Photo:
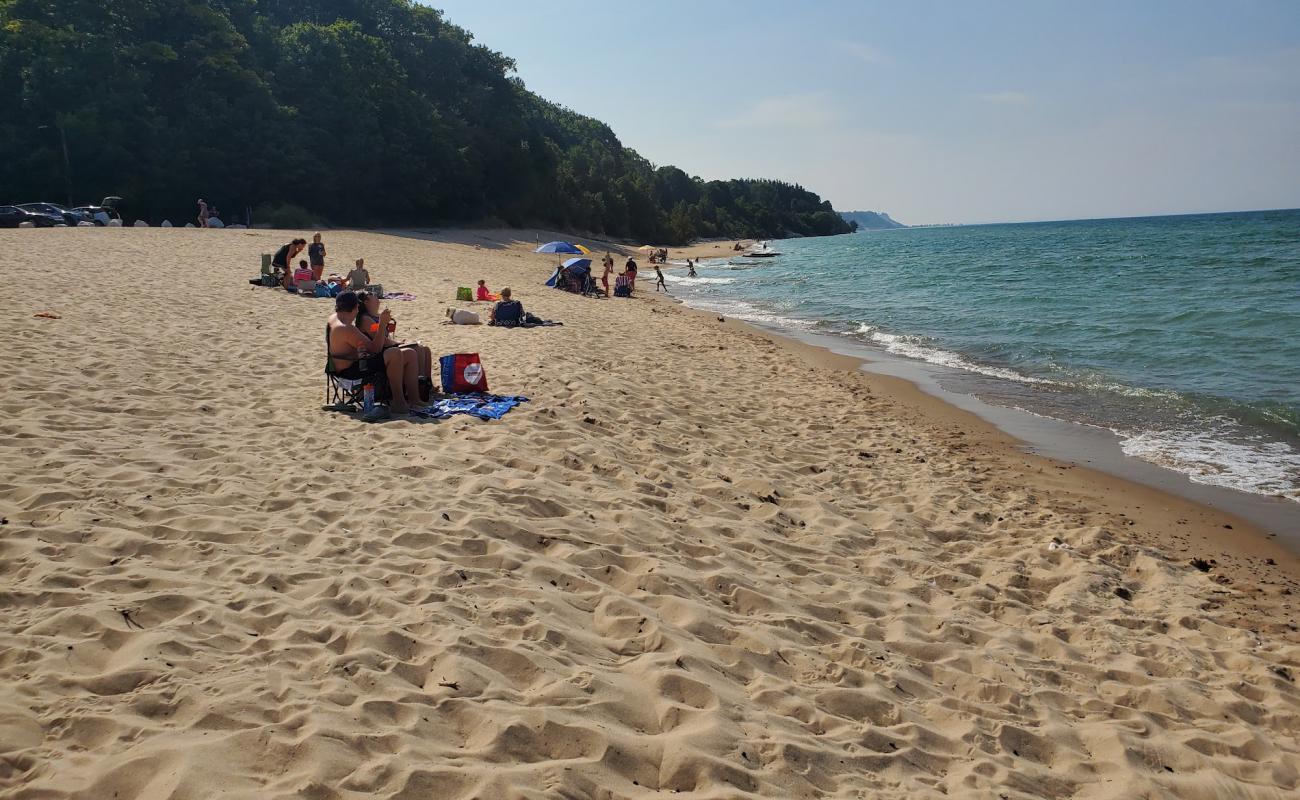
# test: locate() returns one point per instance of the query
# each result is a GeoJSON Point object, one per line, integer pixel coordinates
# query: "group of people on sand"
{"type": "Point", "coordinates": [625, 281]}
{"type": "Point", "coordinates": [312, 268]}
{"type": "Point", "coordinates": [360, 342]}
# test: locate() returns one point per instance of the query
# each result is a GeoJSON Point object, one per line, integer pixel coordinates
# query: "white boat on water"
{"type": "Point", "coordinates": [762, 250]}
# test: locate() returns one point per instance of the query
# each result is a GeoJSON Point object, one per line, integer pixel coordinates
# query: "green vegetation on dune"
{"type": "Point", "coordinates": [355, 112]}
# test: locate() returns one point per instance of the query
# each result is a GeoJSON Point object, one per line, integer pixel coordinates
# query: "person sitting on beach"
{"type": "Point", "coordinates": [659, 282]}
{"type": "Point", "coordinates": [359, 278]}
{"type": "Point", "coordinates": [482, 293]}
{"type": "Point", "coordinates": [316, 253]}
{"type": "Point", "coordinates": [303, 273]}
{"type": "Point", "coordinates": [508, 313]}
{"type": "Point", "coordinates": [623, 285]}
{"type": "Point", "coordinates": [280, 261]}
{"type": "Point", "coordinates": [368, 315]}
{"type": "Point", "coordinates": [347, 346]}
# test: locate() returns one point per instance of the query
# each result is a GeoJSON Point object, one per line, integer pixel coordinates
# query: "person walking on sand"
{"type": "Point", "coordinates": [659, 281]}
{"type": "Point", "coordinates": [608, 264]}
{"type": "Point", "coordinates": [316, 255]}
{"type": "Point", "coordinates": [203, 213]}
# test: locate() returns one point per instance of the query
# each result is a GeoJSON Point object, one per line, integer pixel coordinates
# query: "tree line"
{"type": "Point", "coordinates": [347, 112]}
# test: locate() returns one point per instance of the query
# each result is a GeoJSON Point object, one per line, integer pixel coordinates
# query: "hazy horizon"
{"type": "Point", "coordinates": [937, 113]}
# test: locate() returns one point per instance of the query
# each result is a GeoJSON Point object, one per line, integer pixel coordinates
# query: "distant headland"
{"type": "Point", "coordinates": [871, 220]}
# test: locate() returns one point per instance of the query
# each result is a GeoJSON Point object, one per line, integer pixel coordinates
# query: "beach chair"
{"type": "Point", "coordinates": [270, 277]}
{"type": "Point", "coordinates": [347, 394]}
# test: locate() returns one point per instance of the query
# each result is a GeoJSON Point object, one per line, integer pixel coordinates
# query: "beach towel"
{"type": "Point", "coordinates": [399, 296]}
{"type": "Point", "coordinates": [483, 406]}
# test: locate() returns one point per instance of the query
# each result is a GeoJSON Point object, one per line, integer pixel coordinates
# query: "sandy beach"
{"type": "Point", "coordinates": [701, 562]}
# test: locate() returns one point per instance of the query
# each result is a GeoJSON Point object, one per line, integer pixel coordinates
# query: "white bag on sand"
{"type": "Point", "coordinates": [115, 223]}
{"type": "Point", "coordinates": [27, 224]}
{"type": "Point", "coordinates": [139, 223]}
{"type": "Point", "coordinates": [463, 316]}
{"type": "Point", "coordinates": [84, 224]}
{"type": "Point", "coordinates": [166, 224]}
{"type": "Point", "coordinates": [191, 225]}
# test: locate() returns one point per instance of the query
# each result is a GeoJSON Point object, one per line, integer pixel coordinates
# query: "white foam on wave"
{"type": "Point", "coordinates": [1267, 468]}
{"type": "Point", "coordinates": [914, 347]}
{"type": "Point", "coordinates": [748, 312]}
{"type": "Point", "coordinates": [683, 279]}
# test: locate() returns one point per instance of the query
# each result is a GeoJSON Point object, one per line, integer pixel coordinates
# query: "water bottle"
{"type": "Point", "coordinates": [368, 398]}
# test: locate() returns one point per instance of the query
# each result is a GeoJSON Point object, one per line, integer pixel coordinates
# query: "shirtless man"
{"type": "Point", "coordinates": [347, 343]}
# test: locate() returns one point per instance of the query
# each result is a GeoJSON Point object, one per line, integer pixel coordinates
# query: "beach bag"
{"type": "Point", "coordinates": [462, 373]}
{"type": "Point", "coordinates": [465, 294]}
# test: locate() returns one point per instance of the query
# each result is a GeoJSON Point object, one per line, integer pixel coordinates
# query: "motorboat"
{"type": "Point", "coordinates": [763, 250]}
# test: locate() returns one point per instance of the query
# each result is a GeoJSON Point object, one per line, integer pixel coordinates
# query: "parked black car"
{"type": "Point", "coordinates": [12, 216]}
{"type": "Point", "coordinates": [55, 211]}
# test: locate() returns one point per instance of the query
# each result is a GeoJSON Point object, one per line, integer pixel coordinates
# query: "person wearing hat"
{"type": "Point", "coordinates": [348, 346]}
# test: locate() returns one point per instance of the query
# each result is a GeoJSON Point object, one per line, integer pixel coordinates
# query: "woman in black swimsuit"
{"type": "Point", "coordinates": [282, 259]}
{"type": "Point", "coordinates": [368, 323]}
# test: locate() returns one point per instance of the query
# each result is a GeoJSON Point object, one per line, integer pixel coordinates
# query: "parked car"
{"type": "Point", "coordinates": [54, 212]}
{"type": "Point", "coordinates": [13, 216]}
{"type": "Point", "coordinates": [100, 215]}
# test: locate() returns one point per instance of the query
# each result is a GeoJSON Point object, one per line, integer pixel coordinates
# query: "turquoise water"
{"type": "Point", "coordinates": [1181, 334]}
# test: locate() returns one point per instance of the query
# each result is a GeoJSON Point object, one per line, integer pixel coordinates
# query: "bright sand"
{"type": "Point", "coordinates": [701, 561]}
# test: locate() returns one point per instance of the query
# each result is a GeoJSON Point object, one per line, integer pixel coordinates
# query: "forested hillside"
{"type": "Point", "coordinates": [351, 112]}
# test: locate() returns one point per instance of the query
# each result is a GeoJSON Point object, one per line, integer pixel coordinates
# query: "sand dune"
{"type": "Point", "coordinates": [700, 563]}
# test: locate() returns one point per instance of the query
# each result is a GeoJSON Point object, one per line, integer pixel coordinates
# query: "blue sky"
{"type": "Point", "coordinates": [936, 112]}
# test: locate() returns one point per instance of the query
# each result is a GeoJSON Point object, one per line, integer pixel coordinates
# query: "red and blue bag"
{"type": "Point", "coordinates": [462, 373]}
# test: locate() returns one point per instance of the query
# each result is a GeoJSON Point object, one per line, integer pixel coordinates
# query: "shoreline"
{"type": "Point", "coordinates": [1225, 531]}
{"type": "Point", "coordinates": [1072, 442]}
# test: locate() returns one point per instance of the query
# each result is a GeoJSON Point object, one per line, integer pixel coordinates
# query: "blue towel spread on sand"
{"type": "Point", "coordinates": [483, 406]}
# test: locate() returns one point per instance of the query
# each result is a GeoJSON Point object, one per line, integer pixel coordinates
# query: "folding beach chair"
{"type": "Point", "coordinates": [347, 394]}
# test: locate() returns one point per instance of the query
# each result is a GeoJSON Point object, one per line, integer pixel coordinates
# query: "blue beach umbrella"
{"type": "Point", "coordinates": [578, 265]}
{"type": "Point", "coordinates": [558, 247]}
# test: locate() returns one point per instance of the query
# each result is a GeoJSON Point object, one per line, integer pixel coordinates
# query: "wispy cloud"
{"type": "Point", "coordinates": [1003, 97]}
{"type": "Point", "coordinates": [805, 110]}
{"type": "Point", "coordinates": [862, 52]}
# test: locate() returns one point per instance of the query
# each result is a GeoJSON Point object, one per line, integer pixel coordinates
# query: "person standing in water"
{"type": "Point", "coordinates": [690, 269]}
{"type": "Point", "coordinates": [659, 280]}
